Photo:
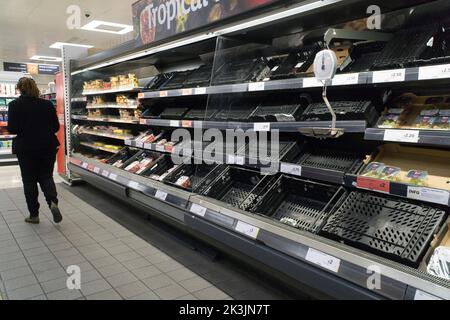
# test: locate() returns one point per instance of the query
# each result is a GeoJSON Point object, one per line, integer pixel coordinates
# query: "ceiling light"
{"type": "Point", "coordinates": [46, 58]}
{"type": "Point", "coordinates": [108, 27]}
{"type": "Point", "coordinates": [58, 45]}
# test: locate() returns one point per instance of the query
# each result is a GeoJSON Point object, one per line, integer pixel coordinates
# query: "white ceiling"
{"type": "Point", "coordinates": [29, 27]}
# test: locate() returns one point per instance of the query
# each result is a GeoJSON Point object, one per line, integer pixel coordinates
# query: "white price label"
{"type": "Point", "coordinates": [239, 160]}
{"type": "Point", "coordinates": [324, 260]}
{"type": "Point", "coordinates": [186, 92]}
{"type": "Point", "coordinates": [133, 185]}
{"type": "Point", "coordinates": [174, 123]}
{"type": "Point", "coordinates": [85, 165]}
{"type": "Point", "coordinates": [434, 72]}
{"type": "Point", "coordinates": [420, 295]}
{"type": "Point", "coordinates": [311, 82]}
{"type": "Point", "coordinates": [428, 195]}
{"type": "Point", "coordinates": [105, 173]}
{"type": "Point", "coordinates": [113, 176]}
{"type": "Point", "coordinates": [160, 148]}
{"type": "Point", "coordinates": [148, 146]}
{"type": "Point", "coordinates": [128, 142]}
{"type": "Point", "coordinates": [397, 75]}
{"type": "Point", "coordinates": [256, 86]}
{"type": "Point", "coordinates": [198, 210]}
{"type": "Point", "coordinates": [97, 170]}
{"type": "Point", "coordinates": [411, 136]}
{"type": "Point", "coordinates": [293, 169]}
{"type": "Point", "coordinates": [247, 229]}
{"type": "Point", "coordinates": [263, 126]}
{"type": "Point", "coordinates": [231, 159]}
{"type": "Point", "coordinates": [346, 79]}
{"type": "Point", "coordinates": [200, 91]}
{"type": "Point", "coordinates": [161, 195]}
{"type": "Point", "coordinates": [139, 144]}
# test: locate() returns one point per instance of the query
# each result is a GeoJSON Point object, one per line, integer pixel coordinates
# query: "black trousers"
{"type": "Point", "coordinates": [37, 167]}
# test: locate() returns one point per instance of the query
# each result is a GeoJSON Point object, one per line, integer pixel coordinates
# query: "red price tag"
{"type": "Point", "coordinates": [91, 167]}
{"type": "Point", "coordinates": [75, 161]}
{"type": "Point", "coordinates": [373, 184]}
{"type": "Point", "coordinates": [141, 95]}
{"type": "Point", "coordinates": [186, 124]}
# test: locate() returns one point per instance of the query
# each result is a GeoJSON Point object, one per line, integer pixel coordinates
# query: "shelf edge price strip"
{"type": "Point", "coordinates": [409, 136]}
{"type": "Point", "coordinates": [261, 126]}
{"type": "Point", "coordinates": [346, 79]}
{"type": "Point", "coordinates": [373, 184]}
{"type": "Point", "coordinates": [324, 260]}
{"type": "Point", "coordinates": [289, 168]}
{"type": "Point", "coordinates": [247, 229]}
{"type": "Point", "coordinates": [161, 195]}
{"type": "Point", "coordinates": [398, 75]}
{"type": "Point", "coordinates": [256, 86]}
{"type": "Point", "coordinates": [198, 210]}
{"type": "Point", "coordinates": [429, 195]}
{"type": "Point", "coordinates": [434, 72]}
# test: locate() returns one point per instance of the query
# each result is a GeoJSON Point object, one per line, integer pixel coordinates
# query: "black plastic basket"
{"type": "Point", "coordinates": [158, 81]}
{"type": "Point", "coordinates": [296, 63]}
{"type": "Point", "coordinates": [200, 176]}
{"type": "Point", "coordinates": [200, 113]}
{"type": "Point", "coordinates": [175, 113]}
{"type": "Point", "coordinates": [287, 151]}
{"type": "Point", "coordinates": [240, 71]}
{"type": "Point", "coordinates": [281, 109]}
{"type": "Point", "coordinates": [160, 167]}
{"type": "Point", "coordinates": [238, 187]}
{"type": "Point", "coordinates": [390, 227]}
{"type": "Point", "coordinates": [236, 111]}
{"type": "Point", "coordinates": [200, 77]}
{"type": "Point", "coordinates": [345, 110]}
{"type": "Point", "coordinates": [141, 156]}
{"type": "Point", "coordinates": [124, 155]}
{"type": "Point", "coordinates": [176, 81]}
{"type": "Point", "coordinates": [363, 55]}
{"type": "Point", "coordinates": [299, 203]}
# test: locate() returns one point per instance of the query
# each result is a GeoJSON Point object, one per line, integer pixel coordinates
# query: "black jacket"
{"type": "Point", "coordinates": [35, 123]}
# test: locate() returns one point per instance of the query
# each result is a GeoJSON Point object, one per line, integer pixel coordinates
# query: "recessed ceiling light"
{"type": "Point", "coordinates": [46, 58]}
{"type": "Point", "coordinates": [58, 45]}
{"type": "Point", "coordinates": [107, 27]}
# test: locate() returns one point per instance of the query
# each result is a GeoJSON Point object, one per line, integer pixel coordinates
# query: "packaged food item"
{"type": "Point", "coordinates": [417, 177]}
{"type": "Point", "coordinates": [184, 182]}
{"type": "Point", "coordinates": [133, 167]}
{"type": "Point", "coordinates": [390, 173]}
{"type": "Point", "coordinates": [442, 123]}
{"type": "Point", "coordinates": [373, 170]}
{"type": "Point", "coordinates": [426, 119]}
{"type": "Point", "coordinates": [439, 264]}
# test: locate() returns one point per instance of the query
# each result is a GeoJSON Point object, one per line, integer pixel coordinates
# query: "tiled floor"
{"type": "Point", "coordinates": [114, 262]}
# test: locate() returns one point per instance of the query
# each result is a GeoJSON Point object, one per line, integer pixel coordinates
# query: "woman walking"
{"type": "Point", "coordinates": [35, 123]}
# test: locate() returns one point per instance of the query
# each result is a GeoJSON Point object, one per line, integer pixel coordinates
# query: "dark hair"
{"type": "Point", "coordinates": [28, 87]}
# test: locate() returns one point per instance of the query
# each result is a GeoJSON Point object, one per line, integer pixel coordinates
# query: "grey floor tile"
{"type": "Point", "coordinates": [105, 295]}
{"type": "Point", "coordinates": [210, 293]}
{"type": "Point", "coordinates": [147, 251]}
{"type": "Point", "coordinates": [111, 270]}
{"type": "Point", "coordinates": [25, 292]}
{"type": "Point", "coordinates": [195, 284]}
{"type": "Point", "coordinates": [159, 281]}
{"type": "Point", "coordinates": [64, 294]}
{"type": "Point", "coordinates": [54, 285]}
{"type": "Point", "coordinates": [94, 255]}
{"type": "Point", "coordinates": [43, 266]}
{"type": "Point", "coordinates": [35, 251]}
{"type": "Point", "coordinates": [169, 265]}
{"type": "Point", "coordinates": [41, 297]}
{"type": "Point", "coordinates": [7, 243]}
{"type": "Point", "coordinates": [89, 276]}
{"type": "Point", "coordinates": [181, 274]}
{"type": "Point", "coordinates": [158, 257]}
{"type": "Point", "coordinates": [67, 252]}
{"type": "Point", "coordinates": [119, 249]}
{"type": "Point", "coordinates": [11, 256]}
{"type": "Point", "coordinates": [20, 282]}
{"type": "Point", "coordinates": [121, 279]}
{"type": "Point", "coordinates": [127, 256]}
{"type": "Point", "coordinates": [171, 292]}
{"type": "Point", "coordinates": [94, 287]}
{"type": "Point", "coordinates": [13, 264]}
{"type": "Point", "coordinates": [60, 246]}
{"type": "Point", "coordinates": [136, 263]}
{"type": "Point", "coordinates": [146, 296]}
{"type": "Point", "coordinates": [146, 272]}
{"type": "Point", "coordinates": [16, 273]}
{"type": "Point", "coordinates": [31, 245]}
{"type": "Point", "coordinates": [48, 256]}
{"type": "Point", "coordinates": [10, 249]}
{"type": "Point", "coordinates": [51, 274]}
{"type": "Point", "coordinates": [132, 289]}
{"type": "Point", "coordinates": [102, 262]}
{"type": "Point", "coordinates": [188, 297]}
{"type": "Point", "coordinates": [71, 260]}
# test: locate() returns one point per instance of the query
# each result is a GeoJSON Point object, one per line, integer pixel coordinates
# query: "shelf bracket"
{"type": "Point", "coordinates": [334, 34]}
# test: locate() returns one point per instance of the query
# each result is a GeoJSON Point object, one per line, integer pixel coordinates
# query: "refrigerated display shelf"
{"type": "Point", "coordinates": [337, 266]}
{"type": "Point", "coordinates": [7, 137]}
{"type": "Point", "coordinates": [106, 119]}
{"type": "Point", "coordinates": [93, 146]}
{"type": "Point", "coordinates": [117, 90]}
{"type": "Point", "coordinates": [356, 126]}
{"type": "Point", "coordinates": [111, 106]}
{"type": "Point", "coordinates": [5, 151]}
{"type": "Point", "coordinates": [419, 137]}
{"type": "Point", "coordinates": [379, 78]}
{"type": "Point", "coordinates": [106, 134]}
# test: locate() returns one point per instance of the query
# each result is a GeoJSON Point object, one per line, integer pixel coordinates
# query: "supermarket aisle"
{"type": "Point", "coordinates": [115, 263]}
{"type": "Point", "coordinates": [10, 177]}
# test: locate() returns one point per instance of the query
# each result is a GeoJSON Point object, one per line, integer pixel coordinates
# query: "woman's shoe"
{"type": "Point", "coordinates": [32, 220]}
{"type": "Point", "coordinates": [57, 217]}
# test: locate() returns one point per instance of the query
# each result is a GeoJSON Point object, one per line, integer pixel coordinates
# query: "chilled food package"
{"type": "Point", "coordinates": [394, 118]}
{"type": "Point", "coordinates": [427, 119]}
{"type": "Point", "coordinates": [390, 173]}
{"type": "Point", "coordinates": [184, 182]}
{"type": "Point", "coordinates": [442, 121]}
{"type": "Point", "coordinates": [373, 170]}
{"type": "Point", "coordinates": [439, 264]}
{"type": "Point", "coordinates": [417, 177]}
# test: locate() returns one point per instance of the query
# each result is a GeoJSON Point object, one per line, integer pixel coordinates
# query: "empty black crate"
{"type": "Point", "coordinates": [362, 56]}
{"type": "Point", "coordinates": [199, 77]}
{"type": "Point", "coordinates": [297, 62]}
{"type": "Point", "coordinates": [283, 151]}
{"type": "Point", "coordinates": [237, 111]}
{"type": "Point", "coordinates": [393, 228]}
{"type": "Point", "coordinates": [174, 113]}
{"type": "Point", "coordinates": [176, 81]}
{"type": "Point", "coordinates": [241, 71]}
{"type": "Point", "coordinates": [344, 110]}
{"type": "Point", "coordinates": [122, 156]}
{"type": "Point", "coordinates": [299, 203]}
{"type": "Point", "coordinates": [238, 187]}
{"type": "Point", "coordinates": [200, 113]}
{"type": "Point", "coordinates": [281, 109]}
{"type": "Point", "coordinates": [140, 156]}
{"type": "Point", "coordinates": [200, 176]}
{"type": "Point", "coordinates": [158, 81]}
{"type": "Point", "coordinates": [160, 167]}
